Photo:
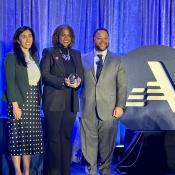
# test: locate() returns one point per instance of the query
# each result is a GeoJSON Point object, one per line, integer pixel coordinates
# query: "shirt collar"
{"type": "Point", "coordinates": [104, 53]}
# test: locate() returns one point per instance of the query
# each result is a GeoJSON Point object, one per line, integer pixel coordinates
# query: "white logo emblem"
{"type": "Point", "coordinates": [161, 89]}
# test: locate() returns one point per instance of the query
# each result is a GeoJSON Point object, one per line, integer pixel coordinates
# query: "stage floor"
{"type": "Point", "coordinates": [78, 169]}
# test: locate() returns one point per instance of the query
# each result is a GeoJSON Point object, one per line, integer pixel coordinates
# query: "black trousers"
{"type": "Point", "coordinates": [59, 125]}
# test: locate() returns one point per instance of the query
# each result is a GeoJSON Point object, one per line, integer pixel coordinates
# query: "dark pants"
{"type": "Point", "coordinates": [59, 127]}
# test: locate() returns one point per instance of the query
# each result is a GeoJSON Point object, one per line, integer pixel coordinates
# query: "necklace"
{"type": "Point", "coordinates": [65, 57]}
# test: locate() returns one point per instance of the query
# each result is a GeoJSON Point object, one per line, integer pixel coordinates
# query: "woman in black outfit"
{"type": "Point", "coordinates": [60, 98]}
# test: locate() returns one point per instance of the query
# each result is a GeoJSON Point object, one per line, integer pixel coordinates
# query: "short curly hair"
{"type": "Point", "coordinates": [100, 29]}
{"type": "Point", "coordinates": [57, 33]}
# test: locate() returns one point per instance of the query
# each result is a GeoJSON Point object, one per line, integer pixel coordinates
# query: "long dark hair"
{"type": "Point", "coordinates": [17, 49]}
{"type": "Point", "coordinates": [57, 33]}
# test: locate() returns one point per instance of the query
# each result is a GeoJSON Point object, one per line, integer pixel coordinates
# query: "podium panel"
{"type": "Point", "coordinates": [151, 88]}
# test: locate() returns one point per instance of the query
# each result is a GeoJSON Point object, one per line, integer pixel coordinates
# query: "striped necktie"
{"type": "Point", "coordinates": [99, 66]}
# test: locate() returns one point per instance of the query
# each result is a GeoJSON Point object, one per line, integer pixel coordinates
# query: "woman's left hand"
{"type": "Point", "coordinates": [73, 85]}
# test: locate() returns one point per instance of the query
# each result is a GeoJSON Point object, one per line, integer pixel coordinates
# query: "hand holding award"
{"type": "Point", "coordinates": [73, 80]}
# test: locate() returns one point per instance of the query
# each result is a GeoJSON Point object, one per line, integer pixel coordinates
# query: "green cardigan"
{"type": "Point", "coordinates": [17, 80]}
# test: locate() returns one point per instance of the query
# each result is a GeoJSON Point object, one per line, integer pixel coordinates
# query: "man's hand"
{"type": "Point", "coordinates": [118, 112]}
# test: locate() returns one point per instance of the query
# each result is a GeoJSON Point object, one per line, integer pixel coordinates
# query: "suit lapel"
{"type": "Point", "coordinates": [73, 56]}
{"type": "Point", "coordinates": [91, 65]}
{"type": "Point", "coordinates": [105, 64]}
{"type": "Point", "coordinates": [59, 61]}
{"type": "Point", "coordinates": [107, 60]}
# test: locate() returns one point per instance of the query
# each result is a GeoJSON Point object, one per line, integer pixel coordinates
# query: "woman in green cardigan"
{"type": "Point", "coordinates": [22, 77]}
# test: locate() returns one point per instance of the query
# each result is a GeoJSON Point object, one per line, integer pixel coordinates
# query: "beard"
{"type": "Point", "coordinates": [100, 49]}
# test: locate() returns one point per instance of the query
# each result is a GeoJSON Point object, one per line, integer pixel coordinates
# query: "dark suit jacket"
{"type": "Point", "coordinates": [53, 74]}
{"type": "Point", "coordinates": [16, 79]}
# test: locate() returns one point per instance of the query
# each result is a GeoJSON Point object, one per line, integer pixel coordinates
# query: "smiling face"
{"type": "Point", "coordinates": [101, 40]}
{"type": "Point", "coordinates": [65, 38]}
{"type": "Point", "coordinates": [25, 40]}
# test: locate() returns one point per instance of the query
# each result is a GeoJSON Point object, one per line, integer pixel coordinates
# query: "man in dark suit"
{"type": "Point", "coordinates": [103, 101]}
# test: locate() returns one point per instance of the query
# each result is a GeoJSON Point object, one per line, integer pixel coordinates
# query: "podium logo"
{"type": "Point", "coordinates": [161, 89]}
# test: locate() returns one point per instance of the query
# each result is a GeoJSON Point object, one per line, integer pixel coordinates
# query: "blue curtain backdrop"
{"type": "Point", "coordinates": [131, 24]}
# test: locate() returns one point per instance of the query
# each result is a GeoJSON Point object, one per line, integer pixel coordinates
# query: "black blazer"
{"type": "Point", "coordinates": [53, 74]}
